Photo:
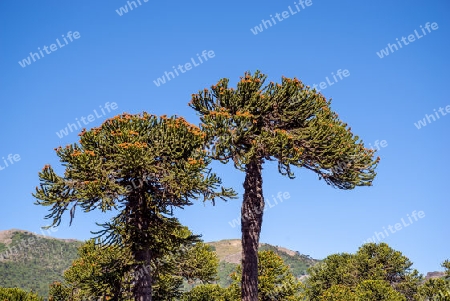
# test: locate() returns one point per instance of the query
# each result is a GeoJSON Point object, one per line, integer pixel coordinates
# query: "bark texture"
{"type": "Point", "coordinates": [139, 218]}
{"type": "Point", "coordinates": [143, 286]}
{"type": "Point", "coordinates": [251, 221]}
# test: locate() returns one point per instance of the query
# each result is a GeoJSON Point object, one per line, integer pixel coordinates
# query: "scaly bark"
{"type": "Point", "coordinates": [143, 287]}
{"type": "Point", "coordinates": [251, 221]}
{"type": "Point", "coordinates": [142, 254]}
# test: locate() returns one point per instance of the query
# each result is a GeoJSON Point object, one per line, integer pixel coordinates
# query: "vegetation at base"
{"type": "Point", "coordinates": [105, 271]}
{"type": "Point", "coordinates": [275, 279]}
{"type": "Point", "coordinates": [230, 253]}
{"type": "Point", "coordinates": [208, 292]}
{"type": "Point", "coordinates": [298, 263]}
{"type": "Point", "coordinates": [3, 247]}
{"type": "Point", "coordinates": [276, 282]}
{"type": "Point", "coordinates": [23, 274]}
{"type": "Point", "coordinates": [224, 274]}
{"type": "Point", "coordinates": [17, 294]}
{"type": "Point", "coordinates": [374, 272]}
{"type": "Point", "coordinates": [434, 290]}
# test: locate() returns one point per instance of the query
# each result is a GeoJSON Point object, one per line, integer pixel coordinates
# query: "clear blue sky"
{"type": "Point", "coordinates": [117, 58]}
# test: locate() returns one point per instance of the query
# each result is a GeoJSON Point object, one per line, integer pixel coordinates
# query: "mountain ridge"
{"type": "Point", "coordinates": [24, 254]}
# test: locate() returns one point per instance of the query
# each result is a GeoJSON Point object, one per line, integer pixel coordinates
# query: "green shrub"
{"type": "Point", "coordinates": [207, 292]}
{"type": "Point", "coordinates": [17, 294]}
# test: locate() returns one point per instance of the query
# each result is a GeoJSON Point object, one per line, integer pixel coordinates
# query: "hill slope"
{"type": "Point", "coordinates": [229, 252]}
{"type": "Point", "coordinates": [32, 261]}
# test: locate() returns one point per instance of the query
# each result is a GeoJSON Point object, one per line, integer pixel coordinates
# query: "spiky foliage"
{"type": "Point", "coordinates": [99, 271]}
{"type": "Point", "coordinates": [208, 292]}
{"type": "Point", "coordinates": [374, 267]}
{"type": "Point", "coordinates": [276, 281]}
{"type": "Point", "coordinates": [446, 265]}
{"type": "Point", "coordinates": [286, 122]}
{"type": "Point", "coordinates": [141, 165]}
{"type": "Point", "coordinates": [370, 290]}
{"type": "Point", "coordinates": [104, 272]}
{"type": "Point", "coordinates": [436, 289]}
{"type": "Point", "coordinates": [17, 294]}
{"type": "Point", "coordinates": [338, 292]}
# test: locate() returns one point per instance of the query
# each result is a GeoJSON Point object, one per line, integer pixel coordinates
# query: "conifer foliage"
{"type": "Point", "coordinates": [142, 166]}
{"type": "Point", "coordinates": [286, 122]}
{"type": "Point", "coordinates": [17, 294]}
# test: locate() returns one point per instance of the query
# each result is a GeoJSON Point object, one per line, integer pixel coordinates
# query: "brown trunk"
{"type": "Point", "coordinates": [140, 221]}
{"type": "Point", "coordinates": [251, 221]}
{"type": "Point", "coordinates": [143, 284]}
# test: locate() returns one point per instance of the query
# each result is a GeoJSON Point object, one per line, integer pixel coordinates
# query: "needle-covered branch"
{"type": "Point", "coordinates": [127, 156]}
{"type": "Point", "coordinates": [142, 166]}
{"type": "Point", "coordinates": [287, 122]}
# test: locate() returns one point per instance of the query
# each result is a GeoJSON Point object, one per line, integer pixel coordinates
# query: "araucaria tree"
{"type": "Point", "coordinates": [142, 166]}
{"type": "Point", "coordinates": [286, 122]}
{"type": "Point", "coordinates": [101, 272]}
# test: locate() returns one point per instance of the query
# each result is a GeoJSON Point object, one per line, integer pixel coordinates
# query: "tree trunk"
{"type": "Point", "coordinates": [143, 284]}
{"type": "Point", "coordinates": [139, 221]}
{"type": "Point", "coordinates": [251, 221]}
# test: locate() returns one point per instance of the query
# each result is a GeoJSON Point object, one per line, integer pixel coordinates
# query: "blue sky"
{"type": "Point", "coordinates": [116, 59]}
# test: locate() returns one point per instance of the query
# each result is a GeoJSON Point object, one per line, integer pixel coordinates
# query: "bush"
{"type": "Point", "coordinates": [17, 294]}
{"type": "Point", "coordinates": [371, 290]}
{"type": "Point", "coordinates": [207, 292]}
{"type": "Point", "coordinates": [338, 292]}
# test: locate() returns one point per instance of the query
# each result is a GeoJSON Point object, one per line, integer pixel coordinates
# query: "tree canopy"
{"type": "Point", "coordinates": [276, 282]}
{"type": "Point", "coordinates": [288, 123]}
{"type": "Point", "coordinates": [375, 269]}
{"type": "Point", "coordinates": [141, 166]}
{"type": "Point", "coordinates": [17, 294]}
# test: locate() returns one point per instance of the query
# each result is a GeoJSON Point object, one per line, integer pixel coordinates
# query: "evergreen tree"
{"type": "Point", "coordinates": [208, 292]}
{"type": "Point", "coordinates": [338, 292]}
{"type": "Point", "coordinates": [102, 271]}
{"type": "Point", "coordinates": [276, 283]}
{"type": "Point", "coordinates": [286, 122]}
{"type": "Point", "coordinates": [374, 271]}
{"type": "Point", "coordinates": [377, 290]}
{"type": "Point", "coordinates": [436, 289]}
{"type": "Point", "coordinates": [141, 165]}
{"type": "Point", "coordinates": [17, 294]}
{"type": "Point", "coordinates": [446, 265]}
{"type": "Point", "coordinates": [275, 280]}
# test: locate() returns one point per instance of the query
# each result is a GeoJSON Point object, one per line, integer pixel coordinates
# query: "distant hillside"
{"type": "Point", "coordinates": [434, 275]}
{"type": "Point", "coordinates": [229, 252]}
{"type": "Point", "coordinates": [31, 261]}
